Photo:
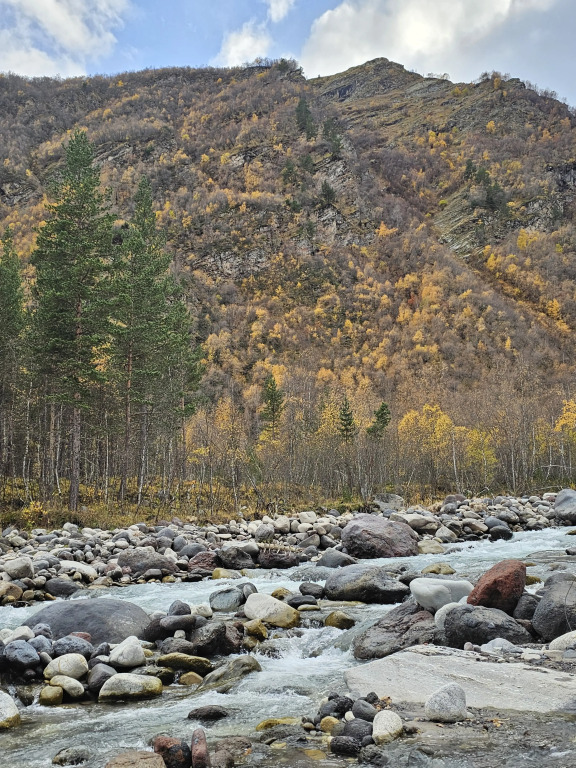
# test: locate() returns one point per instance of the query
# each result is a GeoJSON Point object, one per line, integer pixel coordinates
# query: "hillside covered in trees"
{"type": "Point", "coordinates": [376, 269]}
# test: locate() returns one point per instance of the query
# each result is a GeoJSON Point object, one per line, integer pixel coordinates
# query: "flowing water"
{"type": "Point", "coordinates": [306, 665]}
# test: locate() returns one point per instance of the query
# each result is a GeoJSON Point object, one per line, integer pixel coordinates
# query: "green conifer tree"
{"type": "Point", "coordinates": [380, 422]}
{"type": "Point", "coordinates": [304, 119]}
{"type": "Point", "coordinates": [71, 260]}
{"type": "Point", "coordinates": [273, 401]}
{"type": "Point", "coordinates": [346, 425]}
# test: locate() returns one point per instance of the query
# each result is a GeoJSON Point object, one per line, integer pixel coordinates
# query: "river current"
{"type": "Point", "coordinates": [304, 668]}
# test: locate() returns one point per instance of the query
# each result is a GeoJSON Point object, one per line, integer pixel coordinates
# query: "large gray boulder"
{"type": "Point", "coordinates": [370, 536]}
{"type": "Point", "coordinates": [555, 614]}
{"type": "Point", "coordinates": [403, 626]}
{"type": "Point", "coordinates": [366, 583]}
{"type": "Point", "coordinates": [106, 620]}
{"type": "Point", "coordinates": [413, 675]}
{"type": "Point", "coordinates": [479, 625]}
{"type": "Point", "coordinates": [565, 506]}
{"type": "Point", "coordinates": [142, 559]}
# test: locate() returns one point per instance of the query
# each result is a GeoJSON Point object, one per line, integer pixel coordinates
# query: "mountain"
{"type": "Point", "coordinates": [374, 233]}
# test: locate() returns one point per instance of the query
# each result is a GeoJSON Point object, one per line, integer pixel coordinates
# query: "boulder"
{"type": "Point", "coordinates": [142, 559]}
{"type": "Point", "coordinates": [69, 685]}
{"type": "Point", "coordinates": [271, 611]}
{"type": "Point", "coordinates": [71, 756]}
{"type": "Point", "coordinates": [447, 704]}
{"type": "Point", "coordinates": [9, 714]}
{"type": "Point", "coordinates": [128, 686]}
{"type": "Point", "coordinates": [478, 625]}
{"type": "Point", "coordinates": [367, 583]}
{"type": "Point", "coordinates": [175, 752]}
{"type": "Point", "coordinates": [228, 599]}
{"type": "Point", "coordinates": [19, 568]}
{"type": "Point", "coordinates": [564, 642]}
{"type": "Point", "coordinates": [501, 587]}
{"type": "Point", "coordinates": [430, 547]}
{"type": "Point", "coordinates": [215, 638]}
{"type": "Point", "coordinates": [72, 644]}
{"type": "Point", "coordinates": [210, 712]}
{"type": "Point", "coordinates": [403, 626]}
{"type": "Point", "coordinates": [555, 614]}
{"type": "Point", "coordinates": [339, 619]}
{"type": "Point", "coordinates": [387, 726]}
{"type": "Point", "coordinates": [230, 673]}
{"type": "Point", "coordinates": [432, 593]}
{"type": "Point", "coordinates": [274, 558]}
{"type": "Point", "coordinates": [199, 749]}
{"type": "Point", "coordinates": [411, 676]}
{"type": "Point", "coordinates": [196, 664]}
{"type": "Point", "coordinates": [204, 561]}
{"type": "Point", "coordinates": [128, 654]}
{"type": "Point", "coordinates": [565, 506]}
{"type": "Point", "coordinates": [71, 664]}
{"type": "Point", "coordinates": [51, 696]}
{"type": "Point", "coordinates": [333, 558]}
{"type": "Point", "coordinates": [236, 558]}
{"type": "Point", "coordinates": [98, 676]}
{"type": "Point", "coordinates": [62, 587]}
{"type": "Point", "coordinates": [21, 655]}
{"type": "Point", "coordinates": [105, 619]}
{"type": "Point", "coordinates": [369, 536]}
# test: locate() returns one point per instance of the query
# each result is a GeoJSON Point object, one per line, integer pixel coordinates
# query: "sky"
{"type": "Point", "coordinates": [530, 39]}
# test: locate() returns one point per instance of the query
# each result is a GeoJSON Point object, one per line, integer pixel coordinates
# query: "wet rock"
{"type": "Point", "coordinates": [271, 611]}
{"type": "Point", "coordinates": [447, 704]}
{"type": "Point", "coordinates": [71, 664]}
{"type": "Point", "coordinates": [69, 685]}
{"type": "Point", "coordinates": [72, 644]}
{"type": "Point", "coordinates": [189, 678]}
{"type": "Point", "coordinates": [345, 746]}
{"type": "Point", "coordinates": [198, 664]}
{"type": "Point", "coordinates": [501, 587]}
{"type": "Point", "coordinates": [141, 559]}
{"type": "Point", "coordinates": [21, 655]}
{"type": "Point", "coordinates": [105, 619]}
{"type": "Point", "coordinates": [230, 672]}
{"type": "Point", "coordinates": [364, 710]}
{"type": "Point", "coordinates": [215, 638]}
{"type": "Point", "coordinates": [10, 590]}
{"type": "Point", "coordinates": [200, 756]}
{"type": "Point", "coordinates": [403, 626]}
{"type": "Point", "coordinates": [179, 608]}
{"type": "Point", "coordinates": [272, 558]}
{"type": "Point", "coordinates": [51, 696]}
{"type": "Point", "coordinates": [501, 531]}
{"type": "Point", "coordinates": [430, 547]}
{"type": "Point", "coordinates": [387, 726]}
{"type": "Point", "coordinates": [358, 729]}
{"type": "Point", "coordinates": [129, 686]}
{"type": "Point", "coordinates": [339, 619]}
{"type": "Point", "coordinates": [171, 624]}
{"type": "Point", "coordinates": [228, 599]}
{"type": "Point", "coordinates": [368, 536]}
{"type": "Point", "coordinates": [478, 625]}
{"type": "Point", "coordinates": [432, 593]}
{"type": "Point", "coordinates": [209, 713]}
{"type": "Point", "coordinates": [366, 583]}
{"type": "Point", "coordinates": [310, 588]}
{"type": "Point", "coordinates": [62, 587]}
{"type": "Point", "coordinates": [256, 628]}
{"type": "Point", "coordinates": [336, 706]}
{"type": "Point", "coordinates": [9, 714]}
{"type": "Point", "coordinates": [296, 601]}
{"type": "Point", "coordinates": [71, 756]}
{"type": "Point", "coordinates": [98, 675]}
{"type": "Point", "coordinates": [555, 614]}
{"type": "Point", "coordinates": [333, 558]}
{"type": "Point", "coordinates": [175, 752]}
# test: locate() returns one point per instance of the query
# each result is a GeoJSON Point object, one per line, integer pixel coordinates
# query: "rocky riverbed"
{"type": "Point", "coordinates": [377, 640]}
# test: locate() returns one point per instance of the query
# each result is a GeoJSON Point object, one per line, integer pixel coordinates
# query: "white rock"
{"type": "Point", "coordinates": [386, 727]}
{"type": "Point", "coordinates": [20, 633]}
{"type": "Point", "coordinates": [563, 642]}
{"type": "Point", "coordinates": [441, 613]}
{"type": "Point", "coordinates": [201, 610]}
{"type": "Point", "coordinates": [19, 568]}
{"type": "Point", "coordinates": [72, 687]}
{"type": "Point", "coordinates": [72, 665]}
{"type": "Point", "coordinates": [272, 611]}
{"type": "Point", "coordinates": [71, 566]}
{"type": "Point", "coordinates": [282, 524]}
{"type": "Point", "coordinates": [447, 704]}
{"type": "Point", "coordinates": [434, 593]}
{"type": "Point", "coordinates": [307, 517]}
{"type": "Point", "coordinates": [127, 686]}
{"type": "Point", "coordinates": [9, 714]}
{"type": "Point", "coordinates": [129, 653]}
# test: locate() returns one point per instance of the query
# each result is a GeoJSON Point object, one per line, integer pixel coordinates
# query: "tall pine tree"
{"type": "Point", "coordinates": [151, 350]}
{"type": "Point", "coordinates": [71, 260]}
{"type": "Point", "coordinates": [273, 402]}
{"type": "Point", "coordinates": [12, 321]}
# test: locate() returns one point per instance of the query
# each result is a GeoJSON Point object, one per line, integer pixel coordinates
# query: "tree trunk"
{"type": "Point", "coordinates": [75, 457]}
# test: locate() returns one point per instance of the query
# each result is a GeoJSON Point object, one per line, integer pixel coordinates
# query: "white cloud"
{"type": "Point", "coordinates": [249, 42]}
{"type": "Point", "coordinates": [279, 9]}
{"type": "Point", "coordinates": [417, 33]}
{"type": "Point", "coordinates": [48, 37]}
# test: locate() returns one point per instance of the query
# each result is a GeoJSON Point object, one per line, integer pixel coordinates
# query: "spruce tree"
{"type": "Point", "coordinates": [12, 321]}
{"type": "Point", "coordinates": [346, 425]}
{"type": "Point", "coordinates": [273, 401]}
{"type": "Point", "coordinates": [380, 422]}
{"type": "Point", "coordinates": [71, 260]}
{"type": "Point", "coordinates": [154, 363]}
{"type": "Point", "coordinates": [304, 119]}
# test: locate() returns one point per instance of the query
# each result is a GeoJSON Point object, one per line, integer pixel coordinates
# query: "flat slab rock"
{"type": "Point", "coordinates": [411, 676]}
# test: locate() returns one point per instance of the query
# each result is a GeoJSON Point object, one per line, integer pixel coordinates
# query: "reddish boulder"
{"type": "Point", "coordinates": [370, 536]}
{"type": "Point", "coordinates": [501, 587]}
{"type": "Point", "coordinates": [175, 752]}
{"type": "Point", "coordinates": [204, 561]}
{"type": "Point", "coordinates": [200, 756]}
